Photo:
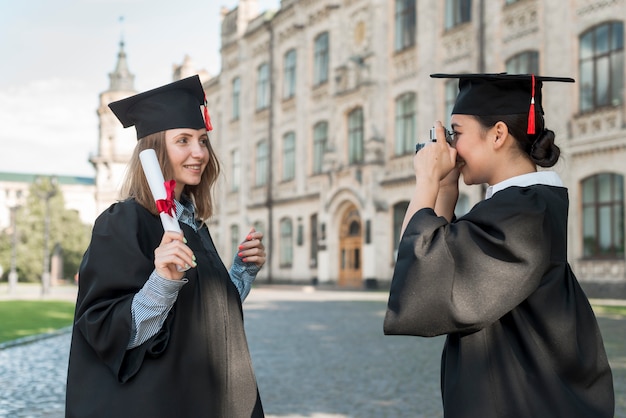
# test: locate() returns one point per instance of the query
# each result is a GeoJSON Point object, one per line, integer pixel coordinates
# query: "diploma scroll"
{"type": "Point", "coordinates": [154, 175]}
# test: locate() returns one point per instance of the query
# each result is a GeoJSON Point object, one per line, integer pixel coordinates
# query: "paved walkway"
{"type": "Point", "coordinates": [316, 353]}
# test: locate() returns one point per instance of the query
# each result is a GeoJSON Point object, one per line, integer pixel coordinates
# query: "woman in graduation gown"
{"type": "Point", "coordinates": [522, 339]}
{"type": "Point", "coordinates": [158, 329]}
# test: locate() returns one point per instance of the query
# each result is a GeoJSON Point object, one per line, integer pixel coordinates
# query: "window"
{"type": "Point", "coordinates": [399, 210]}
{"type": "Point", "coordinates": [289, 156]}
{"type": "Point", "coordinates": [263, 87]}
{"type": "Point", "coordinates": [526, 62]}
{"type": "Point", "coordinates": [259, 226]}
{"type": "Point", "coordinates": [321, 59]}
{"type": "Point", "coordinates": [313, 239]}
{"type": "Point", "coordinates": [262, 163]}
{"type": "Point", "coordinates": [236, 170]}
{"type": "Point", "coordinates": [234, 238]}
{"type": "Point", "coordinates": [289, 86]}
{"type": "Point", "coordinates": [286, 243]}
{"type": "Point", "coordinates": [355, 136]}
{"type": "Point", "coordinates": [320, 139]}
{"type": "Point", "coordinates": [603, 216]}
{"type": "Point", "coordinates": [602, 66]}
{"type": "Point", "coordinates": [457, 12]}
{"type": "Point", "coordinates": [511, 2]}
{"type": "Point", "coordinates": [236, 96]}
{"type": "Point", "coordinates": [405, 124]}
{"type": "Point", "coordinates": [405, 24]}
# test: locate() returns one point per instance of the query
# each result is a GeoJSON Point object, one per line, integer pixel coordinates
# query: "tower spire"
{"type": "Point", "coordinates": [121, 79]}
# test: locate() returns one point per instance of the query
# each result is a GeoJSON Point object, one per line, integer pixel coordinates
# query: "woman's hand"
{"type": "Point", "coordinates": [252, 249]}
{"type": "Point", "coordinates": [436, 160]}
{"type": "Point", "coordinates": [172, 257]}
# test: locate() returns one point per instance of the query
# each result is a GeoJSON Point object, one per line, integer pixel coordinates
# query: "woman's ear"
{"type": "Point", "coordinates": [501, 134]}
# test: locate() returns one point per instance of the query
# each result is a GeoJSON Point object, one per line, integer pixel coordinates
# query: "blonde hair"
{"type": "Point", "coordinates": [135, 184]}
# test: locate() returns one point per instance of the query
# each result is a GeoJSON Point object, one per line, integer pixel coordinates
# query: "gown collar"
{"type": "Point", "coordinates": [548, 178]}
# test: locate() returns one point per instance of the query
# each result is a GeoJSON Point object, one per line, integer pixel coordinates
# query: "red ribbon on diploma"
{"type": "Point", "coordinates": [167, 205]}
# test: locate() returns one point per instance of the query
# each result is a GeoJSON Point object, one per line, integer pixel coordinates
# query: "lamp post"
{"type": "Point", "coordinates": [46, 195]}
{"type": "Point", "coordinates": [13, 271]}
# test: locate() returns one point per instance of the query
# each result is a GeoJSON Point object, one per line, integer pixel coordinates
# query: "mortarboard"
{"type": "Point", "coordinates": [500, 94]}
{"type": "Point", "coordinates": [174, 105]}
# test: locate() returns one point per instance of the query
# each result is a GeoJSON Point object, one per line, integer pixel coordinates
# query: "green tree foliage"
{"type": "Point", "coordinates": [66, 231]}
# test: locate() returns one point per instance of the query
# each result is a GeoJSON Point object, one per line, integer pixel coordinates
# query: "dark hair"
{"type": "Point", "coordinates": [540, 147]}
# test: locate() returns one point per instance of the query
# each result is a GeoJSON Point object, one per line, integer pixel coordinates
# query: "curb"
{"type": "Point", "coordinates": [34, 338]}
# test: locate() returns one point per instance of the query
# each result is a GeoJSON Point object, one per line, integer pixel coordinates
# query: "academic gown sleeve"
{"type": "Point", "coordinates": [115, 266]}
{"type": "Point", "coordinates": [464, 275]}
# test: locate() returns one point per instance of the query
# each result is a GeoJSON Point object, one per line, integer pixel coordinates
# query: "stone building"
{"type": "Point", "coordinates": [319, 104]}
{"type": "Point", "coordinates": [115, 144]}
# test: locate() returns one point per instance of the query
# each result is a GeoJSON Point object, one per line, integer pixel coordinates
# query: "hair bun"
{"type": "Point", "coordinates": [544, 152]}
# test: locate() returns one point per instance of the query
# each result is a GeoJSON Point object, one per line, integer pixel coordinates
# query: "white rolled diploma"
{"type": "Point", "coordinates": [154, 175]}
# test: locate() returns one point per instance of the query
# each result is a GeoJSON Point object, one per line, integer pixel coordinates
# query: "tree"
{"type": "Point", "coordinates": [65, 229]}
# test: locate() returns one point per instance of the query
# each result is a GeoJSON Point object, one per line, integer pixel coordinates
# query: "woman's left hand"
{"type": "Point", "coordinates": [252, 249]}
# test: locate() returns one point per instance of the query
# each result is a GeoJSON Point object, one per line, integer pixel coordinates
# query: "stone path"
{"type": "Point", "coordinates": [317, 354]}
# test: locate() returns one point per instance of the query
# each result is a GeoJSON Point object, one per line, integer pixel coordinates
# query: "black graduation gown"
{"type": "Point", "coordinates": [197, 365]}
{"type": "Point", "coordinates": [522, 339]}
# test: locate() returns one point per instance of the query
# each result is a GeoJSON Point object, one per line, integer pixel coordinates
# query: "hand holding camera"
{"type": "Point", "coordinates": [433, 138]}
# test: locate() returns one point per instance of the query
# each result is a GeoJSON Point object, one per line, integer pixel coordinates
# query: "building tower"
{"type": "Point", "coordinates": [115, 144]}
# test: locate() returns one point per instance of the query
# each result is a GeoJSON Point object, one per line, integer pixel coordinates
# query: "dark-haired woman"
{"type": "Point", "coordinates": [522, 339]}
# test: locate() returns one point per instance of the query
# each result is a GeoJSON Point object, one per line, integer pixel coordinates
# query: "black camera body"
{"type": "Point", "coordinates": [433, 138]}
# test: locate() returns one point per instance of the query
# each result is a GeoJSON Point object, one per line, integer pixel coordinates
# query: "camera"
{"type": "Point", "coordinates": [433, 138]}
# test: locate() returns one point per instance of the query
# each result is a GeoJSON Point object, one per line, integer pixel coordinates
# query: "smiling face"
{"type": "Point", "coordinates": [188, 156]}
{"type": "Point", "coordinates": [474, 149]}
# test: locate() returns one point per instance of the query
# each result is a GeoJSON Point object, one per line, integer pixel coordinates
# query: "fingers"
{"type": "Point", "coordinates": [172, 257]}
{"type": "Point", "coordinates": [252, 250]}
{"type": "Point", "coordinates": [441, 132]}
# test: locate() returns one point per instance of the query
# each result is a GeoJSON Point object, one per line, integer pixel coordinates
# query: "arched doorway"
{"type": "Point", "coordinates": [350, 249]}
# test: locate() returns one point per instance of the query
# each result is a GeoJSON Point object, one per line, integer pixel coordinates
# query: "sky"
{"type": "Point", "coordinates": [55, 60]}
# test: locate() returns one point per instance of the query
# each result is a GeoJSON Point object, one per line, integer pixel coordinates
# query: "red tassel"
{"type": "Point", "coordinates": [531, 112]}
{"type": "Point", "coordinates": [207, 118]}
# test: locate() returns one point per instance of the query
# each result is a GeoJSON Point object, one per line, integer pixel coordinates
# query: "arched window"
{"type": "Point", "coordinates": [289, 156]}
{"type": "Point", "coordinates": [458, 12]}
{"type": "Point", "coordinates": [405, 124]}
{"type": "Point", "coordinates": [263, 87]}
{"type": "Point", "coordinates": [526, 62]}
{"type": "Point", "coordinates": [603, 216]}
{"type": "Point", "coordinates": [405, 24]}
{"type": "Point", "coordinates": [321, 59]}
{"type": "Point", "coordinates": [602, 66]}
{"type": "Point", "coordinates": [286, 243]}
{"type": "Point", "coordinates": [289, 82]}
{"type": "Point", "coordinates": [320, 139]}
{"type": "Point", "coordinates": [262, 163]}
{"type": "Point", "coordinates": [355, 136]}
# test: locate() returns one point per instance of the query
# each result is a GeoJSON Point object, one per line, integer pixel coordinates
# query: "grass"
{"type": "Point", "coordinates": [610, 310]}
{"type": "Point", "coordinates": [22, 318]}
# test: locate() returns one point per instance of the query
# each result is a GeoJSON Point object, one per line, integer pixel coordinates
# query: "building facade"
{"type": "Point", "coordinates": [77, 193]}
{"type": "Point", "coordinates": [319, 104]}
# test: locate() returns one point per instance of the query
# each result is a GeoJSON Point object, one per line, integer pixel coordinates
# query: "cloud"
{"type": "Point", "coordinates": [48, 126]}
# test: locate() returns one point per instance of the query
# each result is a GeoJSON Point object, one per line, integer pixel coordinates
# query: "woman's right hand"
{"type": "Point", "coordinates": [436, 160]}
{"type": "Point", "coordinates": [172, 257]}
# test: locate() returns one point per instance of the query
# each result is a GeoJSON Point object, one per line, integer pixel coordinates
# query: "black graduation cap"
{"type": "Point", "coordinates": [500, 94]}
{"type": "Point", "coordinates": [174, 105]}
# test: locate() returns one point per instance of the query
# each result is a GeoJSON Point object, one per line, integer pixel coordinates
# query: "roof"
{"type": "Point", "coordinates": [61, 179]}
